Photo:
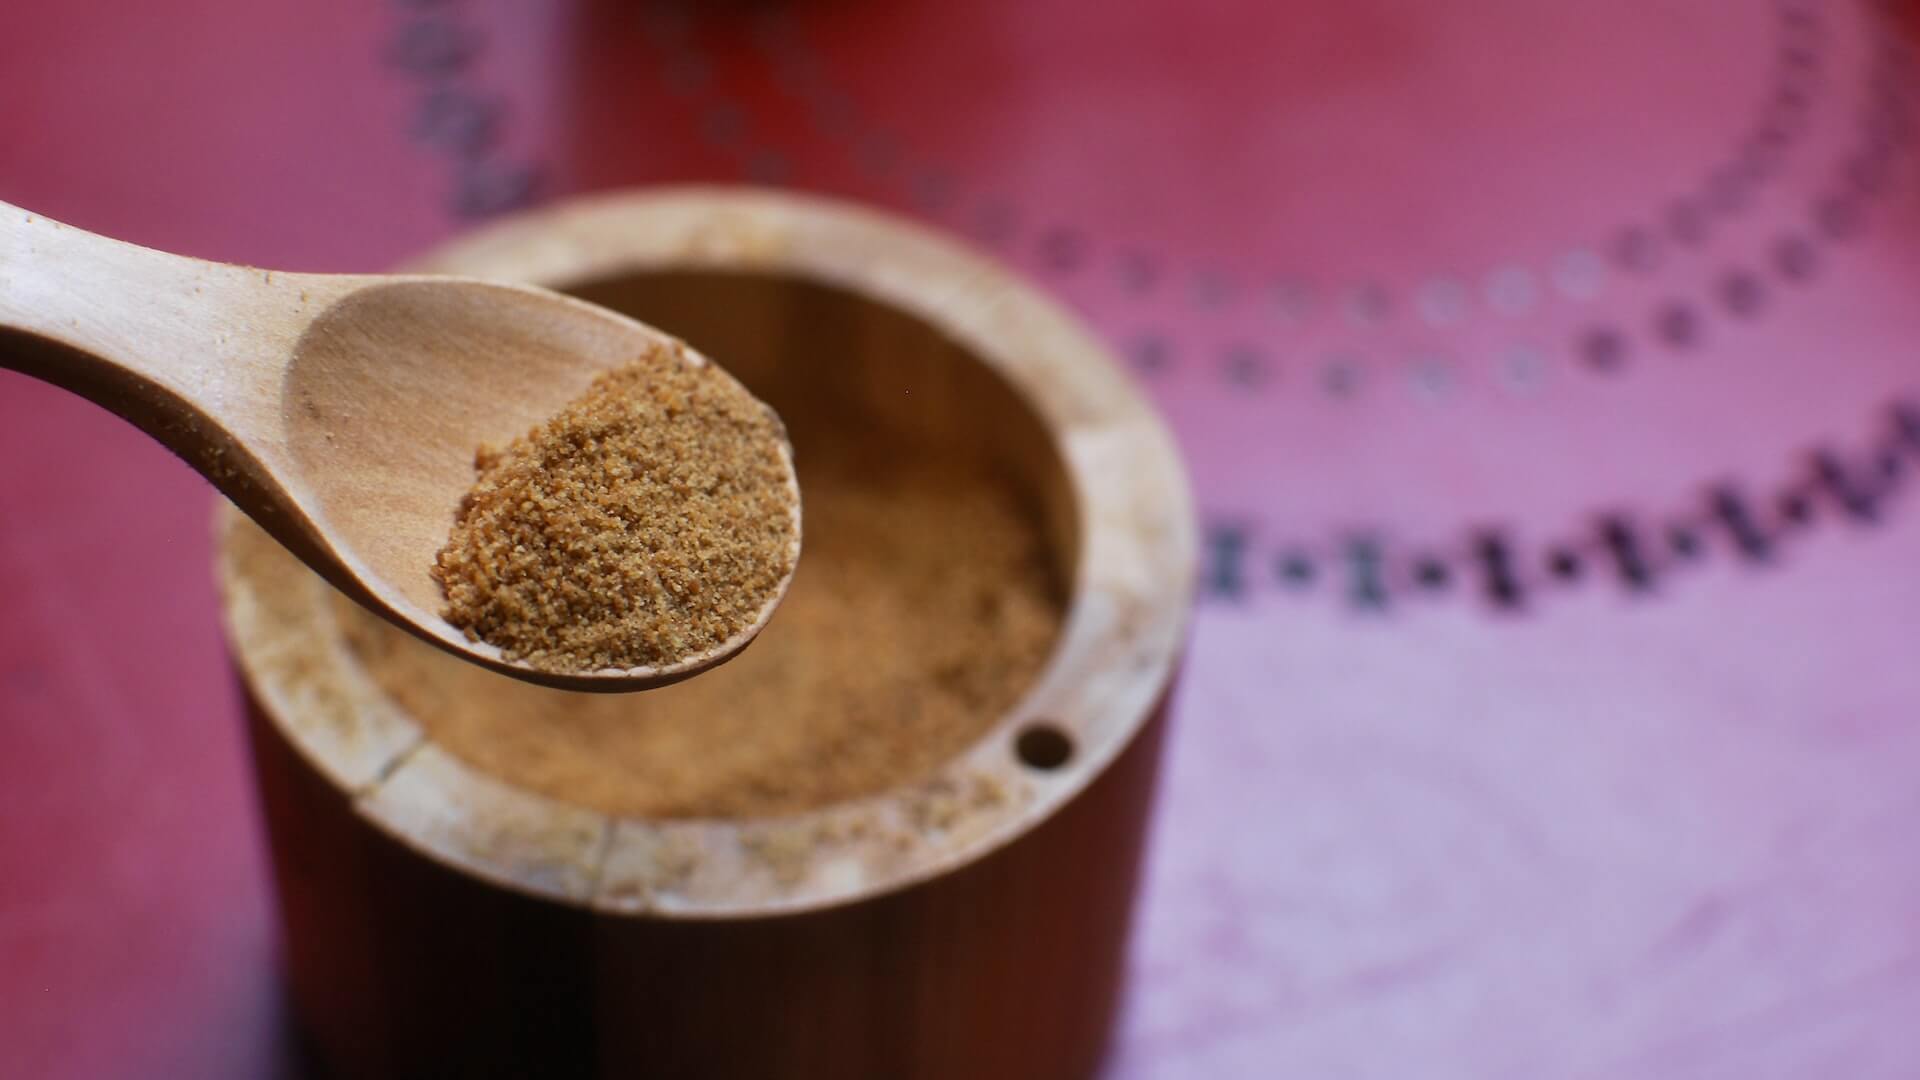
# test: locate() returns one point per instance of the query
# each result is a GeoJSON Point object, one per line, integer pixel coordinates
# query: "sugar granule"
{"type": "Point", "coordinates": [648, 522]}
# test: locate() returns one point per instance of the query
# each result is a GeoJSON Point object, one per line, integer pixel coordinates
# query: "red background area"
{"type": "Point", "coordinates": [1551, 708]}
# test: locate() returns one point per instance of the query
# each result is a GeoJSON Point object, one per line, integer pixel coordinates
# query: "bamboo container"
{"type": "Point", "coordinates": [971, 924]}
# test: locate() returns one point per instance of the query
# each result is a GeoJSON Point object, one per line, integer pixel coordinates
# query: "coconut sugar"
{"type": "Point", "coordinates": [650, 522]}
{"type": "Point", "coordinates": [926, 605]}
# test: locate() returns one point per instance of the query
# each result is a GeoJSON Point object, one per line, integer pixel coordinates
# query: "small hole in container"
{"type": "Point", "coordinates": [1043, 746]}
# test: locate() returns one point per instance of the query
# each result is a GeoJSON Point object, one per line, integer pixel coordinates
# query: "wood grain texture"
{"type": "Point", "coordinates": [969, 923]}
{"type": "Point", "coordinates": [402, 966]}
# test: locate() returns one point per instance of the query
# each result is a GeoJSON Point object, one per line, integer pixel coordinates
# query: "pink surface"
{"type": "Point", "coordinates": [1548, 381]}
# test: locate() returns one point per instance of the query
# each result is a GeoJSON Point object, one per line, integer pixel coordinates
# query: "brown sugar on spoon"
{"type": "Point", "coordinates": [649, 522]}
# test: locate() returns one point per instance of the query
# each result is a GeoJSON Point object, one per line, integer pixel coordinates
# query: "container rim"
{"type": "Point", "coordinates": [1124, 629]}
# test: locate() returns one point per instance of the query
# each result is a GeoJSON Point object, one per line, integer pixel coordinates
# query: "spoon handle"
{"type": "Point", "coordinates": [192, 352]}
{"type": "Point", "coordinates": [147, 334]}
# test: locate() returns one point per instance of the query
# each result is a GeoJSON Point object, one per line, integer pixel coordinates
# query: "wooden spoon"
{"type": "Point", "coordinates": [340, 411]}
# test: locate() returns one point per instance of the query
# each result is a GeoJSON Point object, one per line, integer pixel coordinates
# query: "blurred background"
{"type": "Point", "coordinates": [1549, 373]}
